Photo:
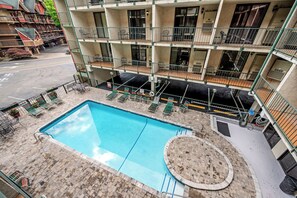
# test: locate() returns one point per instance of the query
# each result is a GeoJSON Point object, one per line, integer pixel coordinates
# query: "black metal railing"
{"type": "Point", "coordinates": [288, 42]}
{"type": "Point", "coordinates": [229, 78]}
{"type": "Point", "coordinates": [61, 90]}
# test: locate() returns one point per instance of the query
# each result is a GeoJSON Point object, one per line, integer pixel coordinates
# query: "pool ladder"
{"type": "Point", "coordinates": [181, 132]}
{"type": "Point", "coordinates": [37, 136]}
{"type": "Point", "coordinates": [168, 188]}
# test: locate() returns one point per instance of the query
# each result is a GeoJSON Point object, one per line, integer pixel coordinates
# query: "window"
{"type": "Point", "coordinates": [138, 54]}
{"type": "Point", "coordinates": [287, 162]}
{"type": "Point", "coordinates": [271, 136]}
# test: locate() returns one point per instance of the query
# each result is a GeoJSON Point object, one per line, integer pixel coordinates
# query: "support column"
{"type": "Point", "coordinates": [153, 86]}
{"type": "Point", "coordinates": [256, 107]}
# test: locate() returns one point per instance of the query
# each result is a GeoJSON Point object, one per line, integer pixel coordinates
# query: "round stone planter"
{"type": "Point", "coordinates": [198, 163]}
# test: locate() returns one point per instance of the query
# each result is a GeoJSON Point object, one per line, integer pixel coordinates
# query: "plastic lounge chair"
{"type": "Point", "coordinates": [54, 98]}
{"type": "Point", "coordinates": [133, 95]}
{"type": "Point", "coordinates": [19, 178]}
{"type": "Point", "coordinates": [42, 103]}
{"type": "Point", "coordinates": [125, 96]}
{"type": "Point", "coordinates": [154, 106]}
{"type": "Point", "coordinates": [184, 107]}
{"type": "Point", "coordinates": [169, 106]}
{"type": "Point", "coordinates": [31, 110]}
{"type": "Point", "coordinates": [112, 95]}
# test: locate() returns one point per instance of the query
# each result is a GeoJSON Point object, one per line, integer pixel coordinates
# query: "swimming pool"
{"type": "Point", "coordinates": [127, 142]}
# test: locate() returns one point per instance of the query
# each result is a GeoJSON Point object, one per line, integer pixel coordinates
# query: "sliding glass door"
{"type": "Point", "coordinates": [101, 25]}
{"type": "Point", "coordinates": [185, 23]}
{"type": "Point", "coordinates": [136, 24]}
{"type": "Point", "coordinates": [138, 55]}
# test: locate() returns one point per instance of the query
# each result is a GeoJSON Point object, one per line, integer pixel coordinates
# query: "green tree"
{"type": "Point", "coordinates": [51, 10]}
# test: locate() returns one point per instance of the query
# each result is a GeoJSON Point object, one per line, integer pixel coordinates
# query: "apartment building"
{"type": "Point", "coordinates": [238, 44]}
{"type": "Point", "coordinates": [25, 24]}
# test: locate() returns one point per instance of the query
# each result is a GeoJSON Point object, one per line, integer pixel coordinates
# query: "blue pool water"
{"type": "Point", "coordinates": [124, 141]}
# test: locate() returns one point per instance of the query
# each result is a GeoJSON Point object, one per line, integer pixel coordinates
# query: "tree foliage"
{"type": "Point", "coordinates": [51, 10]}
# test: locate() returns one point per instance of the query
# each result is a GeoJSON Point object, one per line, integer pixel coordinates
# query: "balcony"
{"type": "Point", "coordinates": [99, 61]}
{"type": "Point", "coordinates": [288, 43]}
{"type": "Point", "coordinates": [90, 3]}
{"type": "Point", "coordinates": [11, 43]}
{"type": "Point", "coordinates": [7, 19]}
{"type": "Point", "coordinates": [279, 109]}
{"type": "Point", "coordinates": [133, 66]}
{"type": "Point", "coordinates": [178, 71]}
{"type": "Point", "coordinates": [230, 37]}
{"type": "Point", "coordinates": [246, 37]}
{"type": "Point", "coordinates": [116, 34]}
{"type": "Point", "coordinates": [100, 33]}
{"type": "Point", "coordinates": [8, 32]}
{"type": "Point", "coordinates": [229, 78]}
{"type": "Point", "coordinates": [182, 35]}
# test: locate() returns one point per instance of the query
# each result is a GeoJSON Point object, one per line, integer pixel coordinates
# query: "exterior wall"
{"type": "Point", "coordinates": [215, 58]}
{"type": "Point", "coordinates": [279, 149]}
{"type": "Point", "coordinates": [289, 89]}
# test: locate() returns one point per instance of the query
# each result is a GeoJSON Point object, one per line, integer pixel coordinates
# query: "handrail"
{"type": "Point", "coordinates": [282, 112]}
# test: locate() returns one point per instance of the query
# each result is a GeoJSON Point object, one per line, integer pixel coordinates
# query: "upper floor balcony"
{"type": "Point", "coordinates": [9, 43]}
{"type": "Point", "coordinates": [8, 32]}
{"type": "Point", "coordinates": [288, 44]}
{"type": "Point", "coordinates": [94, 3]}
{"type": "Point", "coordinates": [279, 111]}
{"type": "Point", "coordinates": [259, 38]}
{"type": "Point", "coordinates": [120, 34]}
{"type": "Point", "coordinates": [178, 71]}
{"type": "Point", "coordinates": [7, 19]}
{"type": "Point", "coordinates": [230, 78]}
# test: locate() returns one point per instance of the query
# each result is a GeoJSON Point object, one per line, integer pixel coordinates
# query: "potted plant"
{"type": "Point", "coordinates": [15, 113]}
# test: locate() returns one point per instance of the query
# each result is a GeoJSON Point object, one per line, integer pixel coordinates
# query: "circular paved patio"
{"type": "Point", "coordinates": [197, 163]}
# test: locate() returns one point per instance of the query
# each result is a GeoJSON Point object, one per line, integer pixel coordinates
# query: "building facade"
{"type": "Point", "coordinates": [25, 24]}
{"type": "Point", "coordinates": [243, 45]}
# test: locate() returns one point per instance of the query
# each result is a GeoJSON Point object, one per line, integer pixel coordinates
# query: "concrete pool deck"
{"type": "Point", "coordinates": [57, 172]}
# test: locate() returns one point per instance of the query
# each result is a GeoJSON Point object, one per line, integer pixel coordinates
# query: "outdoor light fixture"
{"type": "Point", "coordinates": [202, 10]}
{"type": "Point", "coordinates": [147, 12]}
{"type": "Point", "coordinates": [111, 73]}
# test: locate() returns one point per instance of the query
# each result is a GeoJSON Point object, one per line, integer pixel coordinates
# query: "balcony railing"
{"type": "Point", "coordinates": [65, 19]}
{"type": "Point", "coordinates": [223, 36]}
{"type": "Point", "coordinates": [91, 32]}
{"type": "Point", "coordinates": [229, 78]}
{"type": "Point", "coordinates": [11, 43]}
{"type": "Point", "coordinates": [279, 109]}
{"type": "Point", "coordinates": [288, 42]}
{"type": "Point", "coordinates": [178, 71]}
{"type": "Point", "coordinates": [245, 36]}
{"type": "Point", "coordinates": [7, 31]}
{"type": "Point", "coordinates": [6, 19]}
{"type": "Point", "coordinates": [78, 3]}
{"type": "Point", "coordinates": [132, 65]}
{"type": "Point", "coordinates": [182, 34]}
{"type": "Point", "coordinates": [99, 61]}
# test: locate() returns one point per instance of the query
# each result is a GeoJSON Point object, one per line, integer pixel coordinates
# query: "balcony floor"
{"type": "Point", "coordinates": [102, 64]}
{"type": "Point", "coordinates": [286, 121]}
{"type": "Point", "coordinates": [179, 74]}
{"type": "Point", "coordinates": [231, 82]}
{"type": "Point", "coordinates": [135, 68]}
